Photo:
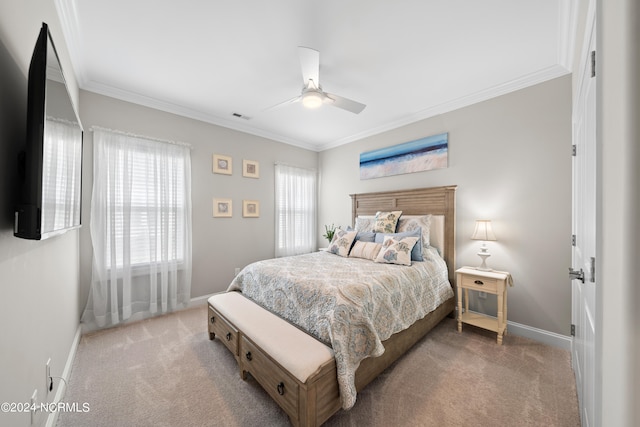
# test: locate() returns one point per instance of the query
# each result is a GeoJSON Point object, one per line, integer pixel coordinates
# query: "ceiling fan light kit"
{"type": "Point", "coordinates": [312, 95]}
{"type": "Point", "coordinates": [312, 99]}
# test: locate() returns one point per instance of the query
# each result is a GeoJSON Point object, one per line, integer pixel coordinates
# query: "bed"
{"type": "Point", "coordinates": [378, 311]}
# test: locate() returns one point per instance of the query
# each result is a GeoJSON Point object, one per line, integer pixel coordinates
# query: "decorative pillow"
{"type": "Point", "coordinates": [364, 224]}
{"type": "Point", "coordinates": [366, 236]}
{"type": "Point", "coordinates": [367, 250]}
{"type": "Point", "coordinates": [396, 251]}
{"type": "Point", "coordinates": [386, 222]}
{"type": "Point", "coordinates": [416, 252]}
{"type": "Point", "coordinates": [341, 243]}
{"type": "Point", "coordinates": [423, 222]}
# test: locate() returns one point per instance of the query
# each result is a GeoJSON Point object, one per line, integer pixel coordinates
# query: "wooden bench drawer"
{"type": "Point", "coordinates": [282, 387]}
{"type": "Point", "coordinates": [480, 283]}
{"type": "Point", "coordinates": [225, 331]}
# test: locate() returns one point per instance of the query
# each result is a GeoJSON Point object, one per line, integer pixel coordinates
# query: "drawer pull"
{"type": "Point", "coordinates": [479, 282]}
{"type": "Point", "coordinates": [281, 389]}
{"type": "Point", "coordinates": [228, 336]}
{"type": "Point", "coordinates": [213, 319]}
{"type": "Point", "coordinates": [248, 356]}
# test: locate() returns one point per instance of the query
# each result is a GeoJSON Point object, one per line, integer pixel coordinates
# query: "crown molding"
{"type": "Point", "coordinates": [136, 98]}
{"type": "Point", "coordinates": [455, 104]}
{"type": "Point", "coordinates": [483, 95]}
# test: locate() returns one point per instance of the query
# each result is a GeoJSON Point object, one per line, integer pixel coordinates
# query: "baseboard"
{"type": "Point", "coordinates": [197, 301]}
{"type": "Point", "coordinates": [193, 302]}
{"type": "Point", "coordinates": [52, 419]}
{"type": "Point", "coordinates": [550, 338]}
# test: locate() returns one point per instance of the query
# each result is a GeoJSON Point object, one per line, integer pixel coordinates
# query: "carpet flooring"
{"type": "Point", "coordinates": [166, 372]}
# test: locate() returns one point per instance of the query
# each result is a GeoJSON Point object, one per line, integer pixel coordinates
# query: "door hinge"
{"type": "Point", "coordinates": [574, 150]}
{"type": "Point", "coordinates": [593, 63]}
{"type": "Point", "coordinates": [573, 330]}
{"type": "Point", "coordinates": [573, 240]}
{"type": "Point", "coordinates": [592, 270]}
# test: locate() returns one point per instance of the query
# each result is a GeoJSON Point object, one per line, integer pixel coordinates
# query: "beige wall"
{"type": "Point", "coordinates": [219, 244]}
{"type": "Point", "coordinates": [511, 159]}
{"type": "Point", "coordinates": [38, 280]}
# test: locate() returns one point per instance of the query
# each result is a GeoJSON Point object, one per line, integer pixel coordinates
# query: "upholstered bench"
{"type": "Point", "coordinates": [293, 367]}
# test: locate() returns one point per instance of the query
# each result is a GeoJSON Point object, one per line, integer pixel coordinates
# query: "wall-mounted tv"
{"type": "Point", "coordinates": [50, 162]}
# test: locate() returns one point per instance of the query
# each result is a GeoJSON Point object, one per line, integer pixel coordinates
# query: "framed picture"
{"type": "Point", "coordinates": [222, 164]}
{"type": "Point", "coordinates": [250, 169]}
{"type": "Point", "coordinates": [250, 208]}
{"type": "Point", "coordinates": [222, 208]}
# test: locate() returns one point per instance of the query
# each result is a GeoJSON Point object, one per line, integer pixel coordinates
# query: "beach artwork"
{"type": "Point", "coordinates": [416, 156]}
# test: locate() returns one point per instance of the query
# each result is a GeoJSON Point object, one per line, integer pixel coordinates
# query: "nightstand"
{"type": "Point", "coordinates": [491, 282]}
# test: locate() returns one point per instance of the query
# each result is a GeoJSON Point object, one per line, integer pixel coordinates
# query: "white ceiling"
{"type": "Point", "coordinates": [406, 59]}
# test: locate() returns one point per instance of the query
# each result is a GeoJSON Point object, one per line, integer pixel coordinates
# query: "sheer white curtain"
{"type": "Point", "coordinates": [295, 210]}
{"type": "Point", "coordinates": [140, 228]}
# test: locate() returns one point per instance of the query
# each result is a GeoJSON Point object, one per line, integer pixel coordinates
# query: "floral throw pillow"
{"type": "Point", "coordinates": [386, 222]}
{"type": "Point", "coordinates": [411, 223]}
{"type": "Point", "coordinates": [341, 243]}
{"type": "Point", "coordinates": [396, 251]}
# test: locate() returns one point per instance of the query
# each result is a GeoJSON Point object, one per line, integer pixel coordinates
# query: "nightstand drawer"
{"type": "Point", "coordinates": [479, 283]}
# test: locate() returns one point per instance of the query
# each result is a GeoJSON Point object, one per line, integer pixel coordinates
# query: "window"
{"type": "Point", "coordinates": [153, 207]}
{"type": "Point", "coordinates": [295, 210]}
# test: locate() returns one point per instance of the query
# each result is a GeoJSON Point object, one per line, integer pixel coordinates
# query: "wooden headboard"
{"type": "Point", "coordinates": [419, 201]}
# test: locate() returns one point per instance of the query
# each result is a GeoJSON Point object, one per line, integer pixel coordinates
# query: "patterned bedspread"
{"type": "Point", "coordinates": [351, 304]}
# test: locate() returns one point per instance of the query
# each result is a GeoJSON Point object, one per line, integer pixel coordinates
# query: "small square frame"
{"type": "Point", "coordinates": [222, 164]}
{"type": "Point", "coordinates": [250, 168]}
{"type": "Point", "coordinates": [222, 208]}
{"type": "Point", "coordinates": [250, 208]}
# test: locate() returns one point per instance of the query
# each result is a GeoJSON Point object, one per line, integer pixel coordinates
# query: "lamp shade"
{"type": "Point", "coordinates": [483, 230]}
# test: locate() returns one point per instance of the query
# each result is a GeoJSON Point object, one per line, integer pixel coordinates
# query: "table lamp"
{"type": "Point", "coordinates": [483, 232]}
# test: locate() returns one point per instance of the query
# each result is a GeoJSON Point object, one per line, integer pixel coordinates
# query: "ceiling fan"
{"type": "Point", "coordinates": [312, 95]}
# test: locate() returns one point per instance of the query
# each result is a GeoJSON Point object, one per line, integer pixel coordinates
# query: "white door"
{"type": "Point", "coordinates": [584, 230]}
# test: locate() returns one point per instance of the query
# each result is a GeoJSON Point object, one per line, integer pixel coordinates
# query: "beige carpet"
{"type": "Point", "coordinates": [166, 372]}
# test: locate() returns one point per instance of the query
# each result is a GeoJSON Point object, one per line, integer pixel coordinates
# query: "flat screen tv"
{"type": "Point", "coordinates": [50, 162]}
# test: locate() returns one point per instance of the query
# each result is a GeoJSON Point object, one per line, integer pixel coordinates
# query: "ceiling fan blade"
{"type": "Point", "coordinates": [282, 104]}
{"type": "Point", "coordinates": [310, 65]}
{"type": "Point", "coordinates": [346, 103]}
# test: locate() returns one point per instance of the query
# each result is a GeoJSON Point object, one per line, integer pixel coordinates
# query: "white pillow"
{"type": "Point", "coordinates": [396, 251]}
{"type": "Point", "coordinates": [364, 223]}
{"type": "Point", "coordinates": [366, 250]}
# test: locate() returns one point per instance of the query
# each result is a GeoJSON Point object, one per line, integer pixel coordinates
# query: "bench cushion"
{"type": "Point", "coordinates": [297, 352]}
